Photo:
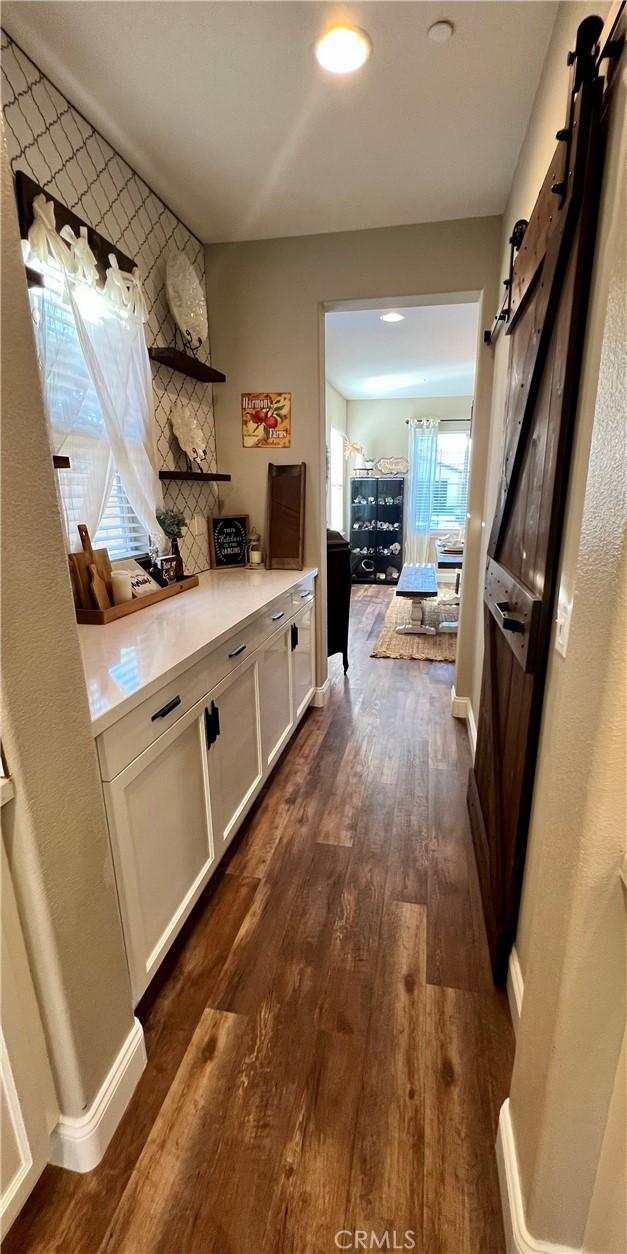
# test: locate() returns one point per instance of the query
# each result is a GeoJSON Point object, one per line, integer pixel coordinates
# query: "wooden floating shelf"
{"type": "Point", "coordinates": [175, 359]}
{"type": "Point", "coordinates": [60, 463]}
{"type": "Point", "coordinates": [201, 476]}
{"type": "Point", "coordinates": [100, 617]}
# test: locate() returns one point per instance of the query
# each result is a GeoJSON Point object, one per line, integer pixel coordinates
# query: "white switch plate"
{"type": "Point", "coordinates": [564, 614]}
{"type": "Point", "coordinates": [198, 525]}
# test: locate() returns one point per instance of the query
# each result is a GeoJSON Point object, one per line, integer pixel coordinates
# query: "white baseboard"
{"type": "Point", "coordinates": [461, 707]}
{"type": "Point", "coordinates": [518, 1239]}
{"type": "Point", "coordinates": [79, 1143]}
{"type": "Point", "coordinates": [515, 988]}
{"type": "Point", "coordinates": [321, 695]}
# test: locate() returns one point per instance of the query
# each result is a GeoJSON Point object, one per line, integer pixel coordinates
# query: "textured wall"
{"type": "Point", "coordinates": [55, 830]}
{"type": "Point", "coordinates": [55, 146]}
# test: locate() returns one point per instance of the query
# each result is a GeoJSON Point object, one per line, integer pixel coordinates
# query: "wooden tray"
{"type": "Point", "coordinates": [138, 603]}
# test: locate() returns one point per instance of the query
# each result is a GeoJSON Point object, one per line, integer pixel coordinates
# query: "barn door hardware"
{"type": "Point", "coordinates": [504, 313]}
{"type": "Point", "coordinates": [212, 724]}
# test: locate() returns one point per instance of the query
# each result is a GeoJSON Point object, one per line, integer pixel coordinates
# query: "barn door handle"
{"type": "Point", "coordinates": [505, 620]}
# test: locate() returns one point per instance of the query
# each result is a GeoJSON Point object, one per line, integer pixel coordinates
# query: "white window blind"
{"type": "Point", "coordinates": [336, 481]}
{"type": "Point", "coordinates": [120, 530]}
{"type": "Point", "coordinates": [450, 488]}
{"type": "Point", "coordinates": [78, 431]}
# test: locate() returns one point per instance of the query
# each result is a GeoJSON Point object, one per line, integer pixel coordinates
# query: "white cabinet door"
{"type": "Point", "coordinates": [303, 658]}
{"type": "Point", "coordinates": [28, 1104]}
{"type": "Point", "coordinates": [275, 695]}
{"type": "Point", "coordinates": [160, 825]}
{"type": "Point", "coordinates": [235, 764]}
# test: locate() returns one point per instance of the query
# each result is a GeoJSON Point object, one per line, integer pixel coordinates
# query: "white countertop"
{"type": "Point", "coordinates": [126, 661]}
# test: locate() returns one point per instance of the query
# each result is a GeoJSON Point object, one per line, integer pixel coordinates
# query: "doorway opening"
{"type": "Point", "coordinates": [399, 383]}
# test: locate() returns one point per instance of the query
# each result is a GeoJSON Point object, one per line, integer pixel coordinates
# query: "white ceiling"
{"type": "Point", "coordinates": [222, 108]}
{"type": "Point", "coordinates": [431, 353]}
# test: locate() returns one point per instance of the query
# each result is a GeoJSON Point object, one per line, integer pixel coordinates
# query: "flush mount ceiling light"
{"type": "Point", "coordinates": [392, 317]}
{"type": "Point", "coordinates": [343, 49]}
{"type": "Point", "coordinates": [440, 32]}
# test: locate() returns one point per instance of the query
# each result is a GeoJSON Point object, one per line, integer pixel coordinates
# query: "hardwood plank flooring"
{"type": "Point", "coordinates": [326, 1050]}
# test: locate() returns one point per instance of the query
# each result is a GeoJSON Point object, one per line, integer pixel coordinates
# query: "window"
{"type": "Point", "coordinates": [450, 488]}
{"type": "Point", "coordinates": [336, 480]}
{"type": "Point", "coordinates": [78, 432]}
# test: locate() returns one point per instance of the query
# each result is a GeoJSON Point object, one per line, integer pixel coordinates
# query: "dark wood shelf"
{"type": "Point", "coordinates": [60, 463]}
{"type": "Point", "coordinates": [201, 476]}
{"type": "Point", "coordinates": [175, 359]}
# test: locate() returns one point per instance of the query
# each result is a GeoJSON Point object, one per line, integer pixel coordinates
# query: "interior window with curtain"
{"type": "Point", "coordinates": [439, 460]}
{"type": "Point", "coordinates": [336, 480]}
{"type": "Point", "coordinates": [91, 490]}
{"type": "Point", "coordinates": [97, 388]}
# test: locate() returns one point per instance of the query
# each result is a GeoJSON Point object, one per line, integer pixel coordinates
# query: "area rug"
{"type": "Point", "coordinates": [440, 648]}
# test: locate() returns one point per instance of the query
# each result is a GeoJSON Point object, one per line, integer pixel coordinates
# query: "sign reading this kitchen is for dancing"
{"type": "Point", "coordinates": [266, 419]}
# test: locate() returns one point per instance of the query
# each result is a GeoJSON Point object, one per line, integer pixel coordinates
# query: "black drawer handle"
{"type": "Point", "coordinates": [166, 709]}
{"type": "Point", "coordinates": [503, 617]}
{"type": "Point", "coordinates": [236, 652]}
{"type": "Point", "coordinates": [276, 617]}
{"type": "Point", "coordinates": [303, 595]}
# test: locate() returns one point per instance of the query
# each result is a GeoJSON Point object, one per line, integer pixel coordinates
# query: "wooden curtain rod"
{"type": "Point", "coordinates": [440, 420]}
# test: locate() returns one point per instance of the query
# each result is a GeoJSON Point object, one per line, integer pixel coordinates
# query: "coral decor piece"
{"type": "Point", "coordinates": [189, 433]}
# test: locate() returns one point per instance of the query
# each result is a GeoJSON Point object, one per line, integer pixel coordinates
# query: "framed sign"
{"type": "Point", "coordinates": [266, 419]}
{"type": "Point", "coordinates": [228, 541]}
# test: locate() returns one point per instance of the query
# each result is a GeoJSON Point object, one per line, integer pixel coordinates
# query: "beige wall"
{"type": "Point", "coordinates": [55, 829]}
{"type": "Point", "coordinates": [336, 408]}
{"type": "Point", "coordinates": [267, 299]}
{"type": "Point", "coordinates": [566, 1096]}
{"type": "Point", "coordinates": [381, 426]}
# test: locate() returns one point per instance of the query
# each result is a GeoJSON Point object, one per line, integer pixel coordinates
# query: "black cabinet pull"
{"type": "Point", "coordinates": [294, 636]}
{"type": "Point", "coordinates": [276, 617]}
{"type": "Point", "coordinates": [236, 652]}
{"type": "Point", "coordinates": [165, 709]}
{"type": "Point", "coordinates": [212, 724]}
{"type": "Point", "coordinates": [304, 594]}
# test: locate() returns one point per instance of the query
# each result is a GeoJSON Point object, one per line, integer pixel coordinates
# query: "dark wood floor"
{"type": "Point", "coordinates": [326, 1050]}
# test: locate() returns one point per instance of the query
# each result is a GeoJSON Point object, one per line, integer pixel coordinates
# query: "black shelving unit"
{"type": "Point", "coordinates": [376, 533]}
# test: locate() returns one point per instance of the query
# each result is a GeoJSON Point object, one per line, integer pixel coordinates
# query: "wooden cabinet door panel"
{"type": "Point", "coordinates": [275, 695]}
{"type": "Point", "coordinates": [160, 825]}
{"type": "Point", "coordinates": [234, 758]}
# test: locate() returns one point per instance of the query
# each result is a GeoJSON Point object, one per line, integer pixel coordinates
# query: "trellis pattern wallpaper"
{"type": "Point", "coordinates": [53, 143]}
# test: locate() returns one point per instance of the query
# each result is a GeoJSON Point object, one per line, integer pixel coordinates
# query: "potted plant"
{"type": "Point", "coordinates": [172, 522]}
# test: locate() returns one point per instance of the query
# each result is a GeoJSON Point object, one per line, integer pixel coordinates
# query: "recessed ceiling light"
{"type": "Point", "coordinates": [343, 49]}
{"type": "Point", "coordinates": [392, 317]}
{"type": "Point", "coordinates": [440, 32]}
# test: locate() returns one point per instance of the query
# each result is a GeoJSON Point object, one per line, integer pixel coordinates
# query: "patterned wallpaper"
{"type": "Point", "coordinates": [53, 143]}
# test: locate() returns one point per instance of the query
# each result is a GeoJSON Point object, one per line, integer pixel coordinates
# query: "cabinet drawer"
{"type": "Point", "coordinates": [136, 731]}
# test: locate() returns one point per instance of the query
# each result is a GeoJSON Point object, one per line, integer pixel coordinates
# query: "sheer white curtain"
{"type": "Point", "coordinates": [75, 420]}
{"type": "Point", "coordinates": [423, 454]}
{"type": "Point", "coordinates": [114, 348]}
{"type": "Point", "coordinates": [96, 377]}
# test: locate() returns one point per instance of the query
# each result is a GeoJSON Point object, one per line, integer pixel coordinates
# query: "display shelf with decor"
{"type": "Point", "coordinates": [201, 476]}
{"type": "Point", "coordinates": [376, 535]}
{"type": "Point", "coordinates": [185, 363]}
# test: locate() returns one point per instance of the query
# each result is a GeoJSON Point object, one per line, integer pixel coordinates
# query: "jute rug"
{"type": "Point", "coordinates": [440, 648]}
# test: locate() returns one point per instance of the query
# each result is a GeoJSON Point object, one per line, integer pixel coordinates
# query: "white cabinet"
{"type": "Point", "coordinates": [160, 824]}
{"type": "Point", "coordinates": [303, 658]}
{"type": "Point", "coordinates": [275, 691]}
{"type": "Point", "coordinates": [28, 1104]}
{"type": "Point", "coordinates": [235, 766]}
{"type": "Point", "coordinates": [182, 769]}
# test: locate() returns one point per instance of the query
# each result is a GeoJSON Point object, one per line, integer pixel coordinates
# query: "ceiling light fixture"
{"type": "Point", "coordinates": [343, 49]}
{"type": "Point", "coordinates": [392, 317]}
{"type": "Point", "coordinates": [441, 32]}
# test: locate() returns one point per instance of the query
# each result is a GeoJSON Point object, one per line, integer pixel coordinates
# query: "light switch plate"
{"type": "Point", "coordinates": [198, 525]}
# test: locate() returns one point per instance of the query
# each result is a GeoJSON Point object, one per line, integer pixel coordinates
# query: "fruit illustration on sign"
{"type": "Point", "coordinates": [266, 419]}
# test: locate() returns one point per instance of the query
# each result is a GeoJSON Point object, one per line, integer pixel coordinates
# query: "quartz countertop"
{"type": "Point", "coordinates": [127, 660]}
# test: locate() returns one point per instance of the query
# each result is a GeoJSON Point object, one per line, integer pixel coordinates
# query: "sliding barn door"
{"type": "Point", "coordinates": [549, 299]}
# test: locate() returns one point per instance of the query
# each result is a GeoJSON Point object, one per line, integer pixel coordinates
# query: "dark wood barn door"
{"type": "Point", "coordinates": [549, 298]}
